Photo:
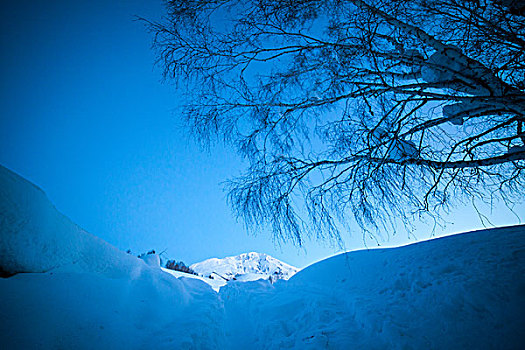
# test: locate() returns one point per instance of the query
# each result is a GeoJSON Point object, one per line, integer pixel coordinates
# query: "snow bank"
{"type": "Point", "coordinates": [215, 284]}
{"type": "Point", "coordinates": [83, 293]}
{"type": "Point", "coordinates": [71, 310]}
{"type": "Point", "coordinates": [35, 237]}
{"type": "Point", "coordinates": [464, 291]}
{"type": "Point", "coordinates": [151, 260]}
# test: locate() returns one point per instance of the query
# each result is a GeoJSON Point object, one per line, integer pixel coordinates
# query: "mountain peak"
{"type": "Point", "coordinates": [245, 267]}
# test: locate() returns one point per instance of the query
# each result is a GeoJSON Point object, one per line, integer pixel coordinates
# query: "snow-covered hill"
{"type": "Point", "coordinates": [465, 291]}
{"type": "Point", "coordinates": [36, 237]}
{"type": "Point", "coordinates": [245, 267]}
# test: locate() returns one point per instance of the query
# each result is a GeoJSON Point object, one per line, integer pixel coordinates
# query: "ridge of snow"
{"type": "Point", "coordinates": [215, 284]}
{"type": "Point", "coordinates": [464, 291]}
{"type": "Point", "coordinates": [36, 237]}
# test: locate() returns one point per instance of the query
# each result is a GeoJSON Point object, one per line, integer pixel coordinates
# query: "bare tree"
{"type": "Point", "coordinates": [373, 111]}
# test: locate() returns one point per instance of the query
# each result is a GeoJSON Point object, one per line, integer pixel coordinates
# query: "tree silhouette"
{"type": "Point", "coordinates": [373, 111]}
{"type": "Point", "coordinates": [179, 266]}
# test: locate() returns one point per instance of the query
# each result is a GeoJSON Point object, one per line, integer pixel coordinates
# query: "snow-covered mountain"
{"type": "Point", "coordinates": [245, 267]}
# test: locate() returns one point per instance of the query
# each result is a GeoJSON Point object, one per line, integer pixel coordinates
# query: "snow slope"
{"type": "Point", "coordinates": [246, 267]}
{"type": "Point", "coordinates": [215, 284]}
{"type": "Point", "coordinates": [72, 310]}
{"type": "Point", "coordinates": [460, 292]}
{"type": "Point", "coordinates": [465, 291]}
{"type": "Point", "coordinates": [80, 292]}
{"type": "Point", "coordinates": [35, 237]}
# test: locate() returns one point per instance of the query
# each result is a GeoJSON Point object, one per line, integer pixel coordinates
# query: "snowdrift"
{"type": "Point", "coordinates": [215, 284]}
{"type": "Point", "coordinates": [465, 291]}
{"type": "Point", "coordinates": [76, 291]}
{"type": "Point", "coordinates": [35, 237]}
{"type": "Point", "coordinates": [72, 310]}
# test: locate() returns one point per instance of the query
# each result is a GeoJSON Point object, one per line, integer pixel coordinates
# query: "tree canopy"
{"type": "Point", "coordinates": [377, 112]}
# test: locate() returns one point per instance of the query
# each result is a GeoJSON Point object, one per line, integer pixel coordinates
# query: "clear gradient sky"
{"type": "Point", "coordinates": [85, 117]}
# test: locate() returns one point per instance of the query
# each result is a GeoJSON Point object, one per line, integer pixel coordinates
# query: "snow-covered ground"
{"type": "Point", "coordinates": [79, 292]}
{"type": "Point", "coordinates": [465, 291]}
{"type": "Point", "coordinates": [36, 237]}
{"type": "Point", "coordinates": [215, 284]}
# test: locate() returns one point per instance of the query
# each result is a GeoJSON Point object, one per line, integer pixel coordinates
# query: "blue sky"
{"type": "Point", "coordinates": [86, 118]}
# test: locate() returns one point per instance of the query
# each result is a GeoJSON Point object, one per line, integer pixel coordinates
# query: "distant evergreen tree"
{"type": "Point", "coordinates": [179, 266]}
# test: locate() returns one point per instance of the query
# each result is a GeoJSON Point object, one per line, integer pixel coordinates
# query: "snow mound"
{"type": "Point", "coordinates": [247, 267]}
{"type": "Point", "coordinates": [35, 237]}
{"type": "Point", "coordinates": [215, 284]}
{"type": "Point", "coordinates": [151, 260]}
{"type": "Point", "coordinates": [79, 292]}
{"type": "Point", "coordinates": [79, 310]}
{"type": "Point", "coordinates": [465, 291]}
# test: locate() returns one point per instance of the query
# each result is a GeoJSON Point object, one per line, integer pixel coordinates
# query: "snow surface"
{"type": "Point", "coordinates": [35, 237]}
{"type": "Point", "coordinates": [247, 267]}
{"type": "Point", "coordinates": [465, 291]}
{"type": "Point", "coordinates": [83, 293]}
{"type": "Point", "coordinates": [215, 284]}
{"type": "Point", "coordinates": [151, 259]}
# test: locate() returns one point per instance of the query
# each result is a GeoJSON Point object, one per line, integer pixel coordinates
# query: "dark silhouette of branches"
{"type": "Point", "coordinates": [369, 110]}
